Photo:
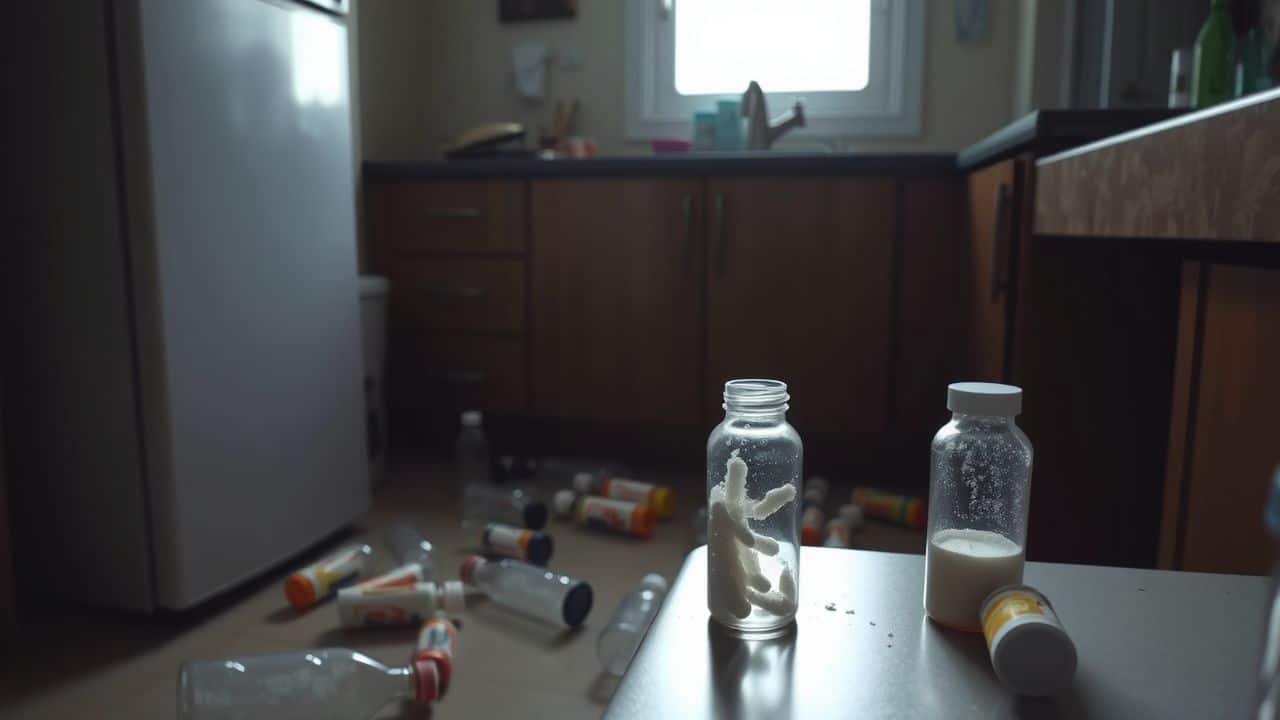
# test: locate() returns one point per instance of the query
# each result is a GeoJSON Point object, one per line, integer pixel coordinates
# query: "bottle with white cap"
{"type": "Point", "coordinates": [979, 495]}
{"type": "Point", "coordinates": [471, 451]}
{"type": "Point", "coordinates": [621, 638]}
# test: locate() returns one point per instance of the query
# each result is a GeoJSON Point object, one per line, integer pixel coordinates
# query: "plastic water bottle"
{"type": "Point", "coordinates": [534, 591]}
{"type": "Point", "coordinates": [408, 547]}
{"type": "Point", "coordinates": [619, 641]}
{"type": "Point", "coordinates": [305, 685]}
{"type": "Point", "coordinates": [483, 504]}
{"type": "Point", "coordinates": [471, 451]}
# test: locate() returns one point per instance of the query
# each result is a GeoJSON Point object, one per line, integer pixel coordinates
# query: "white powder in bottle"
{"type": "Point", "coordinates": [962, 567]}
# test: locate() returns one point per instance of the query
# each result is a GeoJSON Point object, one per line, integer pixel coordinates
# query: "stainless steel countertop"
{"type": "Point", "coordinates": [1151, 644]}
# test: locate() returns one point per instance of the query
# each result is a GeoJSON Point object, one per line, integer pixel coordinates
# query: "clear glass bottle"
{"type": "Point", "coordinates": [754, 470]}
{"type": "Point", "coordinates": [979, 495]}
{"type": "Point", "coordinates": [471, 451]}
{"type": "Point", "coordinates": [300, 685]}
{"type": "Point", "coordinates": [482, 504]}
{"type": "Point", "coordinates": [621, 638]}
{"type": "Point", "coordinates": [409, 547]}
{"type": "Point", "coordinates": [534, 591]}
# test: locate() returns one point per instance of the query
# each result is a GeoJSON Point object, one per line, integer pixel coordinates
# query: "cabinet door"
{"type": "Point", "coordinates": [991, 227]}
{"type": "Point", "coordinates": [798, 289]}
{"type": "Point", "coordinates": [1222, 448]}
{"type": "Point", "coordinates": [616, 299]}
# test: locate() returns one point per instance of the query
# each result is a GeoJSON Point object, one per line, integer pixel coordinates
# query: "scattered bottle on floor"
{"type": "Point", "coordinates": [699, 525]}
{"type": "Point", "coordinates": [531, 546]}
{"type": "Point", "coordinates": [813, 519]}
{"type": "Point", "coordinates": [471, 451]}
{"type": "Point", "coordinates": [304, 685]}
{"type": "Point", "coordinates": [482, 504]}
{"type": "Point", "coordinates": [534, 591]}
{"type": "Point", "coordinates": [657, 497]}
{"type": "Point", "coordinates": [413, 556]}
{"type": "Point", "coordinates": [894, 508]}
{"type": "Point", "coordinates": [620, 639]}
{"type": "Point", "coordinates": [379, 606]}
{"type": "Point", "coordinates": [317, 581]}
{"type": "Point", "coordinates": [840, 528]}
{"type": "Point", "coordinates": [600, 513]}
{"type": "Point", "coordinates": [437, 641]}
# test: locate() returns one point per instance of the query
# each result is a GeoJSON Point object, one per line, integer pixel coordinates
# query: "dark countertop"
{"type": "Point", "coordinates": [1048, 131]}
{"type": "Point", "coordinates": [1041, 132]}
{"type": "Point", "coordinates": [738, 164]}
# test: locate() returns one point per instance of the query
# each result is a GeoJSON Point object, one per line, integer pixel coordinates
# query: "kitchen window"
{"type": "Point", "coordinates": [857, 65]}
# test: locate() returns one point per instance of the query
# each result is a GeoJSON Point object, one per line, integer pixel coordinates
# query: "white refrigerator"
{"type": "Point", "coordinates": [184, 401]}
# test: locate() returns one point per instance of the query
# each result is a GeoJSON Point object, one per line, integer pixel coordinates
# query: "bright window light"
{"type": "Point", "coordinates": [785, 45]}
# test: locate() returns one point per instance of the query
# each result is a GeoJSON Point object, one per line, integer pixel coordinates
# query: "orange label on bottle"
{"type": "Point", "coordinates": [629, 490]}
{"type": "Point", "coordinates": [606, 514]}
{"type": "Point", "coordinates": [1006, 607]}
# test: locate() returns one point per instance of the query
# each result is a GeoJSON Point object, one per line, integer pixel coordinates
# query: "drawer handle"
{"type": "Point", "coordinates": [718, 232]}
{"type": "Point", "coordinates": [462, 293]}
{"type": "Point", "coordinates": [459, 377]}
{"type": "Point", "coordinates": [453, 212]}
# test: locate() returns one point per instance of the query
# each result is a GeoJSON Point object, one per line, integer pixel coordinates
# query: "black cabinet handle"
{"type": "Point", "coordinates": [452, 212]}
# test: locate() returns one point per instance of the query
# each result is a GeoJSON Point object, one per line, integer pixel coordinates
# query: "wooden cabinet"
{"type": "Point", "coordinates": [994, 194]}
{"type": "Point", "coordinates": [455, 253]}
{"type": "Point", "coordinates": [799, 283]}
{"type": "Point", "coordinates": [1222, 443]}
{"type": "Point", "coordinates": [616, 299]}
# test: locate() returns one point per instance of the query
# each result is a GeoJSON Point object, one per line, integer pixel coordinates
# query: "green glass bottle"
{"type": "Point", "coordinates": [1212, 72]}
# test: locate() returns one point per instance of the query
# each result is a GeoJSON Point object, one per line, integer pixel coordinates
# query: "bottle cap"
{"type": "Point", "coordinates": [982, 398]}
{"type": "Point", "coordinates": [584, 482]}
{"type": "Point", "coordinates": [299, 591]}
{"type": "Point", "coordinates": [663, 502]}
{"type": "Point", "coordinates": [454, 597]}
{"type": "Point", "coordinates": [426, 680]}
{"type": "Point", "coordinates": [577, 603]}
{"type": "Point", "coordinates": [654, 581]}
{"type": "Point", "coordinates": [535, 515]}
{"type": "Point", "coordinates": [563, 503]}
{"type": "Point", "coordinates": [540, 547]}
{"type": "Point", "coordinates": [469, 565]}
{"type": "Point", "coordinates": [444, 667]}
{"type": "Point", "coordinates": [472, 418]}
{"type": "Point", "coordinates": [1272, 513]}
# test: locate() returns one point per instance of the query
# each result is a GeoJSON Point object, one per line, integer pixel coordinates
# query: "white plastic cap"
{"type": "Point", "coordinates": [584, 482]}
{"type": "Point", "coordinates": [852, 514]}
{"type": "Point", "coordinates": [655, 582]}
{"type": "Point", "coordinates": [454, 595]}
{"type": "Point", "coordinates": [563, 502]}
{"type": "Point", "coordinates": [981, 398]}
{"type": "Point", "coordinates": [472, 418]}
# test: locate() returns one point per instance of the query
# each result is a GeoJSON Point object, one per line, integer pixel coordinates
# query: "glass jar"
{"type": "Point", "coordinates": [754, 466]}
{"type": "Point", "coordinates": [979, 494]}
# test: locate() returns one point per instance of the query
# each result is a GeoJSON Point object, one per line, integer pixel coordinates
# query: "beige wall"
{"type": "Point", "coordinates": [431, 68]}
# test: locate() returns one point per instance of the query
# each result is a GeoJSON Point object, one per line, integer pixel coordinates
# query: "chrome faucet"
{"type": "Point", "coordinates": [760, 134]}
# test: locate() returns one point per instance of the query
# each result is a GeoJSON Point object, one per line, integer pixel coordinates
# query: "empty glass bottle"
{"type": "Point", "coordinates": [471, 451]}
{"type": "Point", "coordinates": [534, 591]}
{"type": "Point", "coordinates": [621, 638]}
{"type": "Point", "coordinates": [482, 504]}
{"type": "Point", "coordinates": [336, 683]}
{"type": "Point", "coordinates": [754, 466]}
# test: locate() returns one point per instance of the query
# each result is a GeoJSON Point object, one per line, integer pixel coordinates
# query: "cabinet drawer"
{"type": "Point", "coordinates": [484, 217]}
{"type": "Point", "coordinates": [439, 372]}
{"type": "Point", "coordinates": [486, 295]}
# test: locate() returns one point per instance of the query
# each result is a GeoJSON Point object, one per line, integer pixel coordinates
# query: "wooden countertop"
{"type": "Point", "coordinates": [1210, 175]}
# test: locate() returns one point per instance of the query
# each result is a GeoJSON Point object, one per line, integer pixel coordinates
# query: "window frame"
{"type": "Point", "coordinates": [891, 107]}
